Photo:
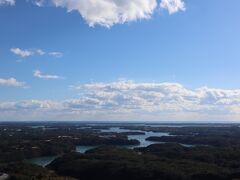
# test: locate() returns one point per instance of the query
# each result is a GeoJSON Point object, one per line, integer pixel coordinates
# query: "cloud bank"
{"type": "Point", "coordinates": [128, 100]}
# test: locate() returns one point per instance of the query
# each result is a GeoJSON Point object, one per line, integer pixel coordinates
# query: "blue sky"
{"type": "Point", "coordinates": [52, 51]}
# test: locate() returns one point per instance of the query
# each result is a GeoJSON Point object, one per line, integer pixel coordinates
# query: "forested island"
{"type": "Point", "coordinates": [120, 151]}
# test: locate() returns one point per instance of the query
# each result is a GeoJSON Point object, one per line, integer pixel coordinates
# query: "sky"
{"type": "Point", "coordinates": [120, 60]}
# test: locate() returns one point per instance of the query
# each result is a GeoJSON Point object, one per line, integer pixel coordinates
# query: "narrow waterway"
{"type": "Point", "coordinates": [44, 161]}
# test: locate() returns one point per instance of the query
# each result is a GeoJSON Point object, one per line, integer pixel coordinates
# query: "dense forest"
{"type": "Point", "coordinates": [188, 151]}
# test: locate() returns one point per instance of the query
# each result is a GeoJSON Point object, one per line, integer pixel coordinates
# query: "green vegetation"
{"type": "Point", "coordinates": [24, 171]}
{"type": "Point", "coordinates": [117, 163]}
{"type": "Point", "coordinates": [215, 156]}
{"type": "Point", "coordinates": [19, 142]}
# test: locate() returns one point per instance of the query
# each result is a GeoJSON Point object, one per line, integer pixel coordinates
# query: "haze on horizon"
{"type": "Point", "coordinates": [143, 60]}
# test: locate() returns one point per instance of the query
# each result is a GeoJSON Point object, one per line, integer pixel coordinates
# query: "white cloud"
{"type": "Point", "coordinates": [56, 54]}
{"type": "Point", "coordinates": [21, 52]}
{"type": "Point", "coordinates": [37, 52]}
{"type": "Point", "coordinates": [128, 100]}
{"type": "Point", "coordinates": [7, 2]}
{"type": "Point", "coordinates": [109, 12]}
{"type": "Point", "coordinates": [30, 104]}
{"type": "Point", "coordinates": [40, 52]}
{"type": "Point", "coordinates": [39, 74]}
{"type": "Point", "coordinates": [39, 3]}
{"type": "Point", "coordinates": [11, 82]}
{"type": "Point", "coordinates": [173, 6]}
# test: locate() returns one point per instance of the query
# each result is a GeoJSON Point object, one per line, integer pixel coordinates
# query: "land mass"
{"type": "Point", "coordinates": [182, 151]}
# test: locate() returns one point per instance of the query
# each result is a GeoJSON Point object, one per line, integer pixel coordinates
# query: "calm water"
{"type": "Point", "coordinates": [83, 149]}
{"type": "Point", "coordinates": [44, 161]}
{"type": "Point", "coordinates": [140, 138]}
